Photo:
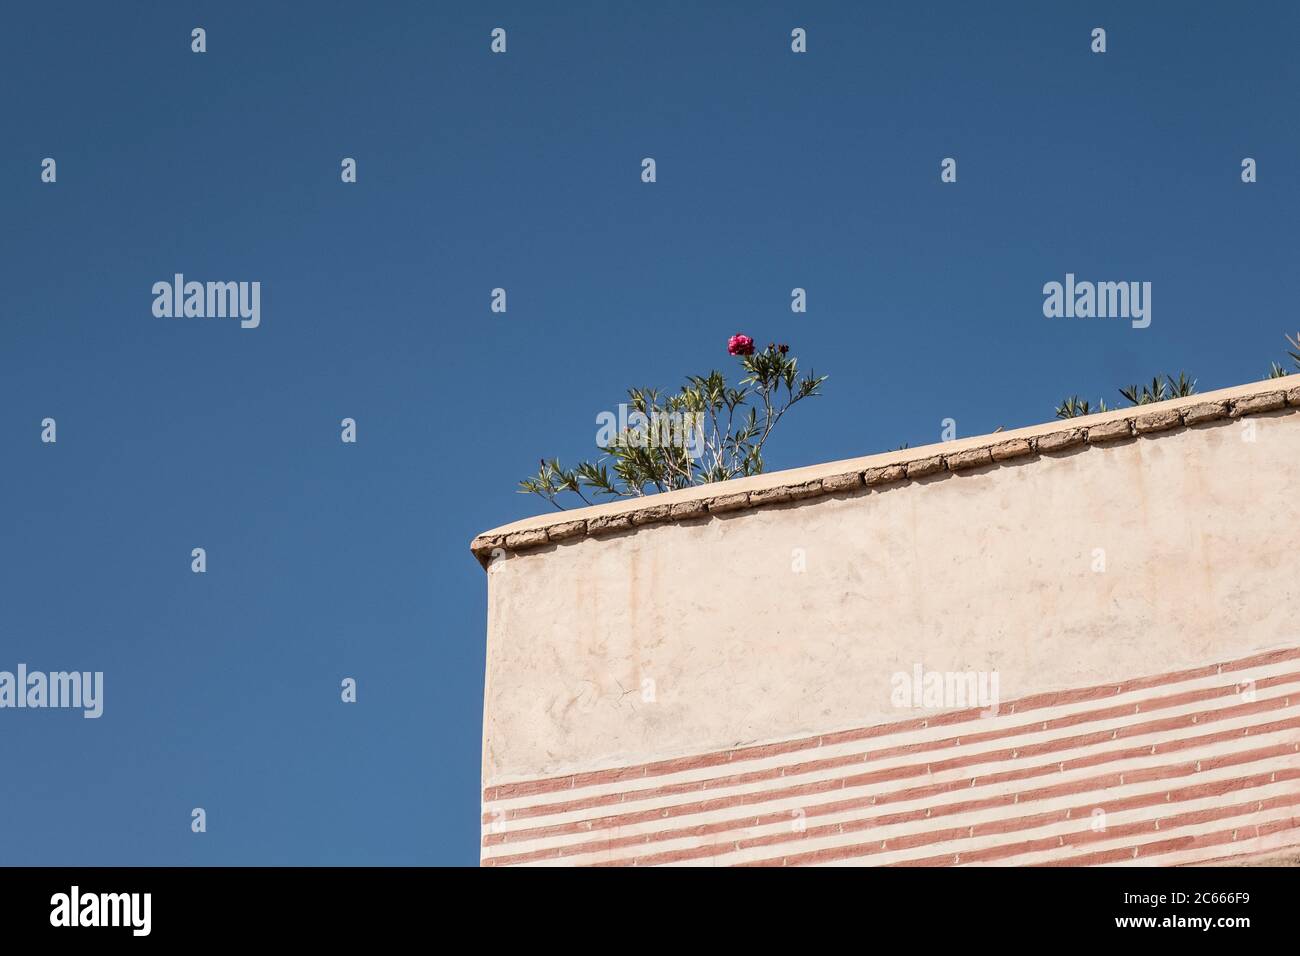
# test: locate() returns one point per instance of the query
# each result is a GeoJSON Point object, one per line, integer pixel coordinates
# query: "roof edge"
{"type": "Point", "coordinates": [889, 468]}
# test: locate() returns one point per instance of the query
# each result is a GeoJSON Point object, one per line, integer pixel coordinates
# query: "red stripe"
{"type": "Point", "coordinates": [1148, 850]}
{"type": "Point", "coordinates": [1077, 838]}
{"type": "Point", "coordinates": [1253, 855]}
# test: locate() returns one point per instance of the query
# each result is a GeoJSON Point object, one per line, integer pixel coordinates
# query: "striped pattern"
{"type": "Point", "coordinates": [1184, 767]}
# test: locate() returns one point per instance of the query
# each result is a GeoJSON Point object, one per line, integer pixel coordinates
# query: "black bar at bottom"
{"type": "Point", "coordinates": [1220, 905]}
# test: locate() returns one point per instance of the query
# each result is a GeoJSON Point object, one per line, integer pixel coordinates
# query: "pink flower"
{"type": "Point", "coordinates": [740, 345]}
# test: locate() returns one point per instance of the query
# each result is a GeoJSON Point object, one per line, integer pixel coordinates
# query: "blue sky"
{"type": "Point", "coordinates": [775, 170]}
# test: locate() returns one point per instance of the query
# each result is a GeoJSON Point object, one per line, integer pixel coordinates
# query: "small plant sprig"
{"type": "Point", "coordinates": [1075, 407]}
{"type": "Point", "coordinates": [1277, 371]}
{"type": "Point", "coordinates": [1155, 391]}
{"type": "Point", "coordinates": [1159, 391]}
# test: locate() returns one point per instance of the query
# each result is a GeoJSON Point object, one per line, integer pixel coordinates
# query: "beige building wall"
{"type": "Point", "coordinates": [737, 673]}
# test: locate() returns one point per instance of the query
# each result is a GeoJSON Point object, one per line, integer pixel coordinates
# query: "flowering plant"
{"type": "Point", "coordinates": [705, 432]}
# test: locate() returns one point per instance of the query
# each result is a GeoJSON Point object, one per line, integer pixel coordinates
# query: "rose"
{"type": "Point", "coordinates": [740, 345]}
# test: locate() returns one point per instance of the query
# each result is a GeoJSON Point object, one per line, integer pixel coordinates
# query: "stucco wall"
{"type": "Point", "coordinates": [1054, 570]}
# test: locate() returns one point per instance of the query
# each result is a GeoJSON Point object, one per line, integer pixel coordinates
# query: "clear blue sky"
{"type": "Point", "coordinates": [775, 170]}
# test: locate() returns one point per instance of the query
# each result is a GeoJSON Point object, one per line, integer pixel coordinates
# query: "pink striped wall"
{"type": "Point", "coordinates": [1181, 767]}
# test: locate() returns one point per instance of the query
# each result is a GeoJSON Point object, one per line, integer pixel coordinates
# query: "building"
{"type": "Point", "coordinates": [1074, 643]}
